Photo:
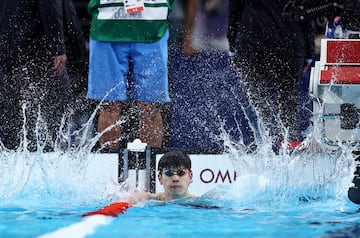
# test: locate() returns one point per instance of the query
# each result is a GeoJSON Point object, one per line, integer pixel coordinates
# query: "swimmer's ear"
{"type": "Point", "coordinates": [191, 176]}
{"type": "Point", "coordinates": [160, 178]}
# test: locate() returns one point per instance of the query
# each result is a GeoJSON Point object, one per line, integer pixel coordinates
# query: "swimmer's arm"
{"type": "Point", "coordinates": [139, 197]}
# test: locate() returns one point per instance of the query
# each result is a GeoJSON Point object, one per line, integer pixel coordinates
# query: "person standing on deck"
{"type": "Point", "coordinates": [124, 32]}
{"type": "Point", "coordinates": [35, 88]}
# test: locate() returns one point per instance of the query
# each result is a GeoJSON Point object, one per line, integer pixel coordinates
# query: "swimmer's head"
{"type": "Point", "coordinates": [174, 159]}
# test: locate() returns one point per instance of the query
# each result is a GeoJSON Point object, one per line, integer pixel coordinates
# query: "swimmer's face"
{"type": "Point", "coordinates": [175, 181]}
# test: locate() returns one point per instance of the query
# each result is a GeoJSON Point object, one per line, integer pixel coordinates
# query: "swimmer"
{"type": "Point", "coordinates": [175, 176]}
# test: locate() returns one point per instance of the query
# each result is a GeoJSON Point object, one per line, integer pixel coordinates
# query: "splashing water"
{"type": "Point", "coordinates": [311, 173]}
{"type": "Point", "coordinates": [59, 176]}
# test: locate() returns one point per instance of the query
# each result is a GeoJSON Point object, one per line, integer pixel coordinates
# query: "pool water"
{"type": "Point", "coordinates": [171, 220]}
{"type": "Point", "coordinates": [321, 218]}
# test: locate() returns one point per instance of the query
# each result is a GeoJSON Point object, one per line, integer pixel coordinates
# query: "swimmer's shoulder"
{"type": "Point", "coordinates": [143, 196]}
{"type": "Point", "coordinates": [162, 197]}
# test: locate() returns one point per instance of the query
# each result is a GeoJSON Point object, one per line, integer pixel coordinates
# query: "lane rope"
{"type": "Point", "coordinates": [90, 221]}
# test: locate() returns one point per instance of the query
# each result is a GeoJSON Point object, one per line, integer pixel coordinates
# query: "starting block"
{"type": "Point", "coordinates": [136, 162]}
{"type": "Point", "coordinates": [335, 86]}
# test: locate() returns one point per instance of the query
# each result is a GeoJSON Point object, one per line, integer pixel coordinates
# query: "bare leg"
{"type": "Point", "coordinates": [151, 124]}
{"type": "Point", "coordinates": [108, 116]}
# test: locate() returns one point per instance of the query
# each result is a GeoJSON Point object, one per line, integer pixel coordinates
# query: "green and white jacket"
{"type": "Point", "coordinates": [111, 23]}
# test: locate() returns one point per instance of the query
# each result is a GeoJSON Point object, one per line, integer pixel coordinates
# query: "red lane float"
{"type": "Point", "coordinates": [112, 210]}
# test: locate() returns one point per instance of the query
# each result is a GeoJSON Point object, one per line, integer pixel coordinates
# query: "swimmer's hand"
{"type": "Point", "coordinates": [139, 197]}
